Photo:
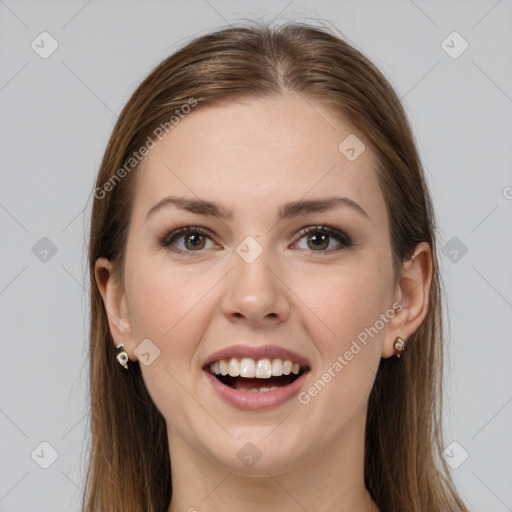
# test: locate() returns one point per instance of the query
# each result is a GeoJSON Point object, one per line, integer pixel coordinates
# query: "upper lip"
{"type": "Point", "coordinates": [257, 352]}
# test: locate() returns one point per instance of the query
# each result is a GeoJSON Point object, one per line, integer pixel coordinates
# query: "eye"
{"type": "Point", "coordinates": [318, 238]}
{"type": "Point", "coordinates": [194, 239]}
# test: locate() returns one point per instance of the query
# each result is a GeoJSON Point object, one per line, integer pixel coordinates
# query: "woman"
{"type": "Point", "coordinates": [266, 329]}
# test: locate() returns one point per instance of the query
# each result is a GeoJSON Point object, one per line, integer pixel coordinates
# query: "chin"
{"type": "Point", "coordinates": [252, 451]}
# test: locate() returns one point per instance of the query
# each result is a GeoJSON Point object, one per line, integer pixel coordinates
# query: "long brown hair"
{"type": "Point", "coordinates": [129, 464]}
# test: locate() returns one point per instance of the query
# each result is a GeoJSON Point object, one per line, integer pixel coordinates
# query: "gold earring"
{"type": "Point", "coordinates": [122, 356]}
{"type": "Point", "coordinates": [400, 345]}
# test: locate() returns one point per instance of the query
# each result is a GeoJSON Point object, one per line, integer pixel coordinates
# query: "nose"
{"type": "Point", "coordinates": [255, 292]}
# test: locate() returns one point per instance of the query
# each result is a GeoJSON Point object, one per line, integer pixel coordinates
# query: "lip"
{"type": "Point", "coordinates": [265, 351]}
{"type": "Point", "coordinates": [248, 401]}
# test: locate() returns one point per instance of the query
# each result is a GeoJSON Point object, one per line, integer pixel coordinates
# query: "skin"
{"type": "Point", "coordinates": [252, 157]}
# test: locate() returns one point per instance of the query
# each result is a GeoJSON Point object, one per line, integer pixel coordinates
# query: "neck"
{"type": "Point", "coordinates": [331, 479]}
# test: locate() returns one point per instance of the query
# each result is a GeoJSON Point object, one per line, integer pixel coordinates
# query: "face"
{"type": "Point", "coordinates": [268, 279]}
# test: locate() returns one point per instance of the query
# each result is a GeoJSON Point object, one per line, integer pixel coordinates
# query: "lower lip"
{"type": "Point", "coordinates": [251, 401]}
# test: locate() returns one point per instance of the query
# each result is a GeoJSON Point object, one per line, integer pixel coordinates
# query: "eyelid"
{"type": "Point", "coordinates": [333, 232]}
{"type": "Point", "coordinates": [170, 236]}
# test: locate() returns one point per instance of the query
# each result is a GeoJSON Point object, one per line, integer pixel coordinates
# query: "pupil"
{"type": "Point", "coordinates": [322, 238]}
{"type": "Point", "coordinates": [197, 242]}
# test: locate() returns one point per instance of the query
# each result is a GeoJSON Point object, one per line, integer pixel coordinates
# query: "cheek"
{"type": "Point", "coordinates": [347, 303]}
{"type": "Point", "coordinates": [349, 349]}
{"type": "Point", "coordinates": [164, 307]}
{"type": "Point", "coordinates": [161, 298]}
{"type": "Point", "coordinates": [174, 311]}
{"type": "Point", "coordinates": [348, 333]}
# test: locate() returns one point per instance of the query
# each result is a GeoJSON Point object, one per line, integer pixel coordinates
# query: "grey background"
{"type": "Point", "coordinates": [56, 115]}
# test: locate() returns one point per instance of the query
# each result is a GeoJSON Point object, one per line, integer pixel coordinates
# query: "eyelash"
{"type": "Point", "coordinates": [338, 235]}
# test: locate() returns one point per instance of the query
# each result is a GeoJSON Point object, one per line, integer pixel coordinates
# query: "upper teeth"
{"type": "Point", "coordinates": [250, 368]}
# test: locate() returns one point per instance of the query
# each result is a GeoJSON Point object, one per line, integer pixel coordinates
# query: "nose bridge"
{"type": "Point", "coordinates": [254, 291]}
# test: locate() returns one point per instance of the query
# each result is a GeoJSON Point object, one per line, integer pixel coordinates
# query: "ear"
{"type": "Point", "coordinates": [412, 293]}
{"type": "Point", "coordinates": [116, 306]}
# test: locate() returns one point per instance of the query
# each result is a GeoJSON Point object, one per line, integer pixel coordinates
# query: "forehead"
{"type": "Point", "coordinates": [274, 149]}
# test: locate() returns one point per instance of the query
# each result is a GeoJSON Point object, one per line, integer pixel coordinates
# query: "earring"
{"type": "Point", "coordinates": [400, 344]}
{"type": "Point", "coordinates": [122, 356]}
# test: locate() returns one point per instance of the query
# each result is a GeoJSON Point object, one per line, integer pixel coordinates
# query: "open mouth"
{"type": "Point", "coordinates": [256, 376]}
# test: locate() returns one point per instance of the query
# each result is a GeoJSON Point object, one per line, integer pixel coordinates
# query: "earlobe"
{"type": "Point", "coordinates": [413, 293]}
{"type": "Point", "coordinates": [114, 301]}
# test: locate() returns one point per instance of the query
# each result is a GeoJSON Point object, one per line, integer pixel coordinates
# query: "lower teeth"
{"type": "Point", "coordinates": [260, 390]}
{"type": "Point", "coordinates": [254, 385]}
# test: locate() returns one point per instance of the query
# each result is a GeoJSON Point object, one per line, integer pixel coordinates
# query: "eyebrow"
{"type": "Point", "coordinates": [288, 210]}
